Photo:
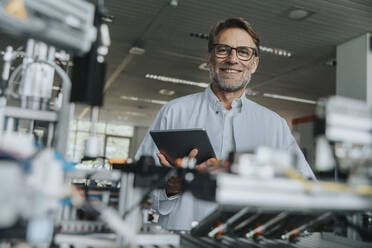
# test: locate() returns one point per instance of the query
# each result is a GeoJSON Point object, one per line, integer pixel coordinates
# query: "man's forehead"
{"type": "Point", "coordinates": [234, 36]}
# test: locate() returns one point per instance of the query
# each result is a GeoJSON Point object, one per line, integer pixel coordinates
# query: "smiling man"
{"type": "Point", "coordinates": [233, 122]}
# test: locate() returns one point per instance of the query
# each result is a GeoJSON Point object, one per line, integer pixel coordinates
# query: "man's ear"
{"type": "Point", "coordinates": [207, 59]}
{"type": "Point", "coordinates": [255, 63]}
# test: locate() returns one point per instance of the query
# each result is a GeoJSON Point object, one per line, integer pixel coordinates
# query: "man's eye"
{"type": "Point", "coordinates": [221, 49]}
{"type": "Point", "coordinates": [244, 51]}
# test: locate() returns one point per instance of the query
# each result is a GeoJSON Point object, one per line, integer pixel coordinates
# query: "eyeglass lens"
{"type": "Point", "coordinates": [243, 53]}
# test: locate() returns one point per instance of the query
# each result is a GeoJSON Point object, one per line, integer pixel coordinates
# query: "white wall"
{"type": "Point", "coordinates": [138, 135]}
{"type": "Point", "coordinates": [306, 139]}
{"type": "Point", "coordinates": [354, 69]}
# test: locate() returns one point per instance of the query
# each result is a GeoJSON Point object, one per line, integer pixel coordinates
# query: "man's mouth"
{"type": "Point", "coordinates": [230, 70]}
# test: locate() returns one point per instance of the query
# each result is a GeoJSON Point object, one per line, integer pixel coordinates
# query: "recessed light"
{"type": "Point", "coordinates": [167, 92]}
{"type": "Point", "coordinates": [173, 3]}
{"type": "Point", "coordinates": [299, 14]}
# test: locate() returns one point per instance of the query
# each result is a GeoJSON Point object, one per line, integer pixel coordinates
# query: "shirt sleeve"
{"type": "Point", "coordinates": [160, 201]}
{"type": "Point", "coordinates": [163, 204]}
{"type": "Point", "coordinates": [291, 145]}
{"type": "Point", "coordinates": [148, 147]}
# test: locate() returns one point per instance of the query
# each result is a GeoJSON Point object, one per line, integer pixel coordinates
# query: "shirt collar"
{"type": "Point", "coordinates": [238, 103]}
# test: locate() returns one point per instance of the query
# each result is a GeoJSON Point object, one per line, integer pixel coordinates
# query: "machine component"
{"type": "Point", "coordinates": [88, 73]}
{"type": "Point", "coordinates": [66, 24]}
{"type": "Point", "coordinates": [317, 221]}
{"type": "Point", "coordinates": [289, 194]}
{"type": "Point", "coordinates": [31, 188]}
{"type": "Point", "coordinates": [347, 120]}
{"type": "Point", "coordinates": [264, 163]}
{"type": "Point", "coordinates": [261, 229]}
{"type": "Point", "coordinates": [101, 207]}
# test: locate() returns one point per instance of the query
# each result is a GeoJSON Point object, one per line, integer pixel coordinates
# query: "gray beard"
{"type": "Point", "coordinates": [222, 85]}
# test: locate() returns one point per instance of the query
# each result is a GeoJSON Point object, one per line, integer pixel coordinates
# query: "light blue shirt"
{"type": "Point", "coordinates": [243, 128]}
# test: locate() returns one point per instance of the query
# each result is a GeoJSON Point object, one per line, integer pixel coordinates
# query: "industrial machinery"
{"type": "Point", "coordinates": [45, 201]}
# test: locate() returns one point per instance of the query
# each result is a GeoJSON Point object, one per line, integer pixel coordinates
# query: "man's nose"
{"type": "Point", "coordinates": [233, 57]}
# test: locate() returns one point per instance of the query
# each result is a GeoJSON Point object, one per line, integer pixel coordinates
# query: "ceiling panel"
{"type": "Point", "coordinates": [164, 33]}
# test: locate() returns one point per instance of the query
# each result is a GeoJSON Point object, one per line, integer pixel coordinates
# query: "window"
{"type": "Point", "coordinates": [114, 139]}
{"type": "Point", "coordinates": [117, 147]}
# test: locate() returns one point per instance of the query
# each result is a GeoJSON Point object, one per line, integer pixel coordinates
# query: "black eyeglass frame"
{"type": "Point", "coordinates": [255, 52]}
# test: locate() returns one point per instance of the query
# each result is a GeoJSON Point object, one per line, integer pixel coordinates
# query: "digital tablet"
{"type": "Point", "coordinates": [177, 143]}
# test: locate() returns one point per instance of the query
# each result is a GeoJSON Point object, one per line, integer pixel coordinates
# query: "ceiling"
{"type": "Point", "coordinates": [163, 31]}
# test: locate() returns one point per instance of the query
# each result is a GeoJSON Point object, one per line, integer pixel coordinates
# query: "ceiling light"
{"type": "Point", "coordinates": [136, 50]}
{"type": "Point", "coordinates": [199, 35]}
{"type": "Point", "coordinates": [250, 92]}
{"type": "Point", "coordinates": [331, 62]}
{"type": "Point", "coordinates": [273, 51]}
{"type": "Point", "coordinates": [123, 118]}
{"type": "Point", "coordinates": [173, 3]}
{"type": "Point", "coordinates": [176, 80]}
{"type": "Point", "coordinates": [135, 113]}
{"type": "Point", "coordinates": [298, 14]}
{"type": "Point", "coordinates": [289, 98]}
{"type": "Point", "coordinates": [276, 51]}
{"type": "Point", "coordinates": [167, 92]}
{"type": "Point", "coordinates": [203, 67]}
{"type": "Point", "coordinates": [108, 18]}
{"type": "Point", "coordinates": [136, 99]}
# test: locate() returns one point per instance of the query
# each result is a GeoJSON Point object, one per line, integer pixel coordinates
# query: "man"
{"type": "Point", "coordinates": [233, 122]}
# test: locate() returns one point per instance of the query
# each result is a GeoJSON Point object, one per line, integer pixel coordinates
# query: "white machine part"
{"type": "Point", "coordinates": [31, 190]}
{"type": "Point", "coordinates": [347, 120]}
{"type": "Point", "coordinates": [264, 163]}
{"type": "Point", "coordinates": [37, 79]}
{"type": "Point", "coordinates": [66, 24]}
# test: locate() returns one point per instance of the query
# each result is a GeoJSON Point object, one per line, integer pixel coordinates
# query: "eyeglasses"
{"type": "Point", "coordinates": [243, 53]}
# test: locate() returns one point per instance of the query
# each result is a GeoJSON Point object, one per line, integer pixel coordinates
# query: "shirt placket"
{"type": "Point", "coordinates": [226, 131]}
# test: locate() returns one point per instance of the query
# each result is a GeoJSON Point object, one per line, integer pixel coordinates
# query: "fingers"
{"type": "Point", "coordinates": [193, 153]}
{"type": "Point", "coordinates": [206, 164]}
{"type": "Point", "coordinates": [163, 160]}
{"type": "Point", "coordinates": [174, 186]}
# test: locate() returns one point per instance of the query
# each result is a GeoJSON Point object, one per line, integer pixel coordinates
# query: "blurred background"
{"type": "Point", "coordinates": [158, 54]}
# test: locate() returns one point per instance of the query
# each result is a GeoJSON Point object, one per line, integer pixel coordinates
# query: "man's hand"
{"type": "Point", "coordinates": [174, 184]}
{"type": "Point", "coordinates": [208, 163]}
{"type": "Point", "coordinates": [192, 154]}
{"type": "Point", "coordinates": [163, 160]}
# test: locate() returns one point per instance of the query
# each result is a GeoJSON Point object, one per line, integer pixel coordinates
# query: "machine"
{"type": "Point", "coordinates": [46, 201]}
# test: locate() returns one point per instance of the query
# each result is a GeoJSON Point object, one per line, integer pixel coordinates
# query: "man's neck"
{"type": "Point", "coordinates": [226, 98]}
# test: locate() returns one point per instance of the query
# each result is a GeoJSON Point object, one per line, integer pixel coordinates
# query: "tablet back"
{"type": "Point", "coordinates": [177, 143]}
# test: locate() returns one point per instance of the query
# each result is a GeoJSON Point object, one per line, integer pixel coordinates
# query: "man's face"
{"type": "Point", "coordinates": [232, 74]}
